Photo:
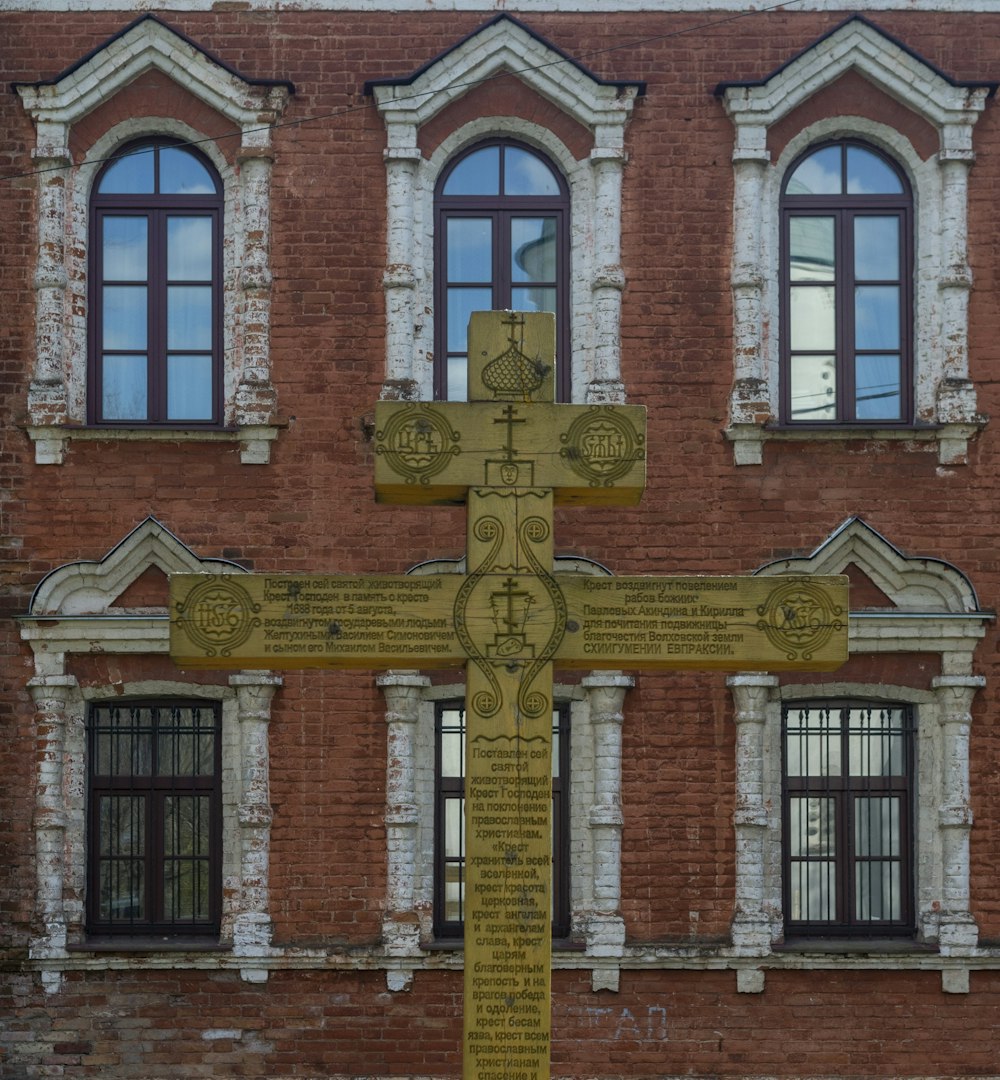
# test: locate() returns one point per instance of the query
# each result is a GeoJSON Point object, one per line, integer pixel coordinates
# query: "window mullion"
{"type": "Point", "coordinates": [157, 361]}
{"type": "Point", "coordinates": [846, 405]}
{"type": "Point", "coordinates": [502, 283]}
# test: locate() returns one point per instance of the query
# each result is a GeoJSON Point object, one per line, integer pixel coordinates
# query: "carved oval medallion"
{"type": "Point", "coordinates": [799, 617]}
{"type": "Point", "coordinates": [218, 615]}
{"type": "Point", "coordinates": [417, 443]}
{"type": "Point", "coordinates": [602, 446]}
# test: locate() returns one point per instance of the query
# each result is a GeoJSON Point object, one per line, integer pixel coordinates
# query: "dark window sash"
{"type": "Point", "coordinates": [155, 208]}
{"type": "Point", "coordinates": [845, 209]}
{"type": "Point", "coordinates": [154, 790]}
{"type": "Point", "coordinates": [846, 791]}
{"type": "Point", "coordinates": [447, 788]}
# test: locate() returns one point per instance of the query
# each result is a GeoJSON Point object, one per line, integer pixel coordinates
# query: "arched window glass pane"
{"type": "Point", "coordinates": [819, 174]}
{"type": "Point", "coordinates": [125, 248]}
{"type": "Point", "coordinates": [470, 249]}
{"type": "Point", "coordinates": [156, 299]}
{"type": "Point", "coordinates": [846, 324]}
{"type": "Point", "coordinates": [868, 174]}
{"type": "Point", "coordinates": [477, 174]}
{"type": "Point", "coordinates": [131, 174]}
{"type": "Point", "coordinates": [182, 174]}
{"type": "Point", "coordinates": [189, 248]}
{"type": "Point", "coordinates": [502, 220]}
{"type": "Point", "coordinates": [811, 248]}
{"type": "Point", "coordinates": [533, 249]}
{"type": "Point", "coordinates": [526, 174]}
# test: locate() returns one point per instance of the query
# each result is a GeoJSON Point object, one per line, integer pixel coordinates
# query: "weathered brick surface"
{"type": "Point", "coordinates": [143, 1025]}
{"type": "Point", "coordinates": [312, 509]}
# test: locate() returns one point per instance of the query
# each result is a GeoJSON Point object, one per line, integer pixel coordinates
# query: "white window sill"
{"type": "Point", "coordinates": [51, 440]}
{"type": "Point", "coordinates": [952, 439]}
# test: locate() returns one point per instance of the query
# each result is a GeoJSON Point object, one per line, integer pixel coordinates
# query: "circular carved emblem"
{"type": "Point", "coordinates": [601, 446]}
{"type": "Point", "coordinates": [417, 443]}
{"type": "Point", "coordinates": [218, 615]}
{"type": "Point", "coordinates": [799, 618]}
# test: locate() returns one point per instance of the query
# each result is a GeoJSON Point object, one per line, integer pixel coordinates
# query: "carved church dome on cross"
{"type": "Point", "coordinates": [512, 374]}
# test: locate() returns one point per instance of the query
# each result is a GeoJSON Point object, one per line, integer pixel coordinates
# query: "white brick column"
{"type": "Point", "coordinates": [403, 694]}
{"type": "Point", "coordinates": [957, 930]}
{"type": "Point", "coordinates": [751, 926]}
{"type": "Point", "coordinates": [602, 924]}
{"type": "Point", "coordinates": [252, 924]}
{"type": "Point", "coordinates": [399, 278]}
{"type": "Point", "coordinates": [749, 405]}
{"type": "Point", "coordinates": [255, 399]}
{"type": "Point", "coordinates": [606, 384]}
{"type": "Point", "coordinates": [47, 402]}
{"type": "Point", "coordinates": [956, 395]}
{"type": "Point", "coordinates": [52, 695]}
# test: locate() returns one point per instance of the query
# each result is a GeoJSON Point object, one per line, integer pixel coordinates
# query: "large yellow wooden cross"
{"type": "Point", "coordinates": [509, 453]}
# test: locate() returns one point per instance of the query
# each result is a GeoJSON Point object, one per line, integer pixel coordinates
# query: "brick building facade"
{"type": "Point", "coordinates": [229, 230]}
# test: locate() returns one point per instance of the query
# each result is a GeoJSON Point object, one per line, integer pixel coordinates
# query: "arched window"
{"type": "Point", "coordinates": [502, 229]}
{"type": "Point", "coordinates": [846, 338]}
{"type": "Point", "coordinates": [155, 314]}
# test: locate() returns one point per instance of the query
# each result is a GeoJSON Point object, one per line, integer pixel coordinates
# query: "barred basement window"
{"type": "Point", "coordinates": [154, 818]}
{"type": "Point", "coordinates": [847, 813]}
{"type": "Point", "coordinates": [449, 820]}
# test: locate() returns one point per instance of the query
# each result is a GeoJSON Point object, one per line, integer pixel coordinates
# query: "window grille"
{"type": "Point", "coordinates": [154, 839]}
{"type": "Point", "coordinates": [847, 812]}
{"type": "Point", "coordinates": [449, 823]}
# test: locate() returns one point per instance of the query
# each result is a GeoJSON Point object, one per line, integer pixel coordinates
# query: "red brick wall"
{"type": "Point", "coordinates": [660, 1025]}
{"type": "Point", "coordinates": [312, 509]}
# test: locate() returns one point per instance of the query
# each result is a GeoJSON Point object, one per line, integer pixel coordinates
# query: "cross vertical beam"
{"type": "Point", "coordinates": [508, 785]}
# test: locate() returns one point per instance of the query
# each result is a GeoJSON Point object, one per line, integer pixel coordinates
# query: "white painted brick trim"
{"type": "Point", "coordinates": [930, 599]}
{"type": "Point", "coordinates": [597, 279]}
{"type": "Point", "coordinates": [57, 395]}
{"type": "Point", "coordinates": [84, 595]}
{"type": "Point", "coordinates": [943, 394]}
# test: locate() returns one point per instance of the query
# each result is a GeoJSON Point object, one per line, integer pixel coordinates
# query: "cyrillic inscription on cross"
{"type": "Point", "coordinates": [510, 453]}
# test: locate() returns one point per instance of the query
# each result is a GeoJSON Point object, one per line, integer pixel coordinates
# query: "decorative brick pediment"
{"type": "Point", "coordinates": [91, 588]}
{"type": "Point", "coordinates": [148, 44]}
{"type": "Point", "coordinates": [910, 583]}
{"type": "Point", "coordinates": [506, 45]}
{"type": "Point", "coordinates": [857, 45]}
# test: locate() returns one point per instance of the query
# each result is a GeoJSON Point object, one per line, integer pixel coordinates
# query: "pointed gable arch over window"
{"type": "Point", "coordinates": [79, 123]}
{"type": "Point", "coordinates": [555, 108]}
{"type": "Point", "coordinates": [116, 607]}
{"type": "Point", "coordinates": [920, 119]}
{"type": "Point", "coordinates": [915, 624]}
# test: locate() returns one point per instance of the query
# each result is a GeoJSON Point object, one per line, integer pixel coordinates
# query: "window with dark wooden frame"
{"type": "Point", "coordinates": [501, 242]}
{"type": "Point", "coordinates": [156, 298]}
{"type": "Point", "coordinates": [449, 820]}
{"type": "Point", "coordinates": [154, 841]}
{"type": "Point", "coordinates": [847, 819]}
{"type": "Point", "coordinates": [847, 293]}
